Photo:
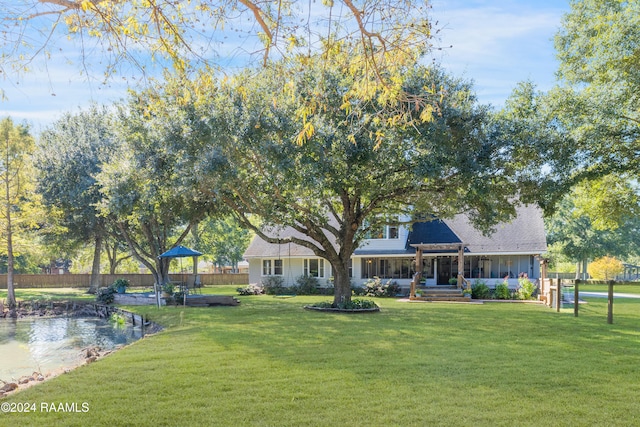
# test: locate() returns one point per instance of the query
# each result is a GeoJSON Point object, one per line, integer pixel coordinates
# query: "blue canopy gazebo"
{"type": "Point", "coordinates": [182, 252]}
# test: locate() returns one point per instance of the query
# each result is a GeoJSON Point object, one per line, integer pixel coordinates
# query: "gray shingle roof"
{"type": "Point", "coordinates": [524, 234]}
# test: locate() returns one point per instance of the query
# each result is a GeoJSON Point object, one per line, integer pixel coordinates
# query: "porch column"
{"type": "Point", "coordinates": [460, 265]}
{"type": "Point", "coordinates": [418, 274]}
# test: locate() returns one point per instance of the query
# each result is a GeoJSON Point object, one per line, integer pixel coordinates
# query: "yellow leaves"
{"type": "Point", "coordinates": [605, 268]}
{"type": "Point", "coordinates": [86, 5]}
{"type": "Point", "coordinates": [426, 115]}
{"type": "Point", "coordinates": [305, 134]}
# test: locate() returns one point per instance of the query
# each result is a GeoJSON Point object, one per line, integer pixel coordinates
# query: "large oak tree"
{"type": "Point", "coordinates": [354, 169]}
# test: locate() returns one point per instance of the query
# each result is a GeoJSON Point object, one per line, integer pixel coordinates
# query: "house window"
{"type": "Point", "coordinates": [314, 267]}
{"type": "Point", "coordinates": [277, 267]}
{"type": "Point", "coordinates": [272, 267]}
{"type": "Point", "coordinates": [386, 268]}
{"type": "Point", "coordinates": [383, 232]}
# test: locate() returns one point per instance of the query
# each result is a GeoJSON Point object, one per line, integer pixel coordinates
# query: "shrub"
{"type": "Point", "coordinates": [357, 290]}
{"type": "Point", "coordinates": [354, 304]}
{"type": "Point", "coordinates": [274, 285]}
{"type": "Point", "coordinates": [502, 291]}
{"type": "Point", "coordinates": [252, 289]}
{"type": "Point", "coordinates": [605, 268]}
{"type": "Point", "coordinates": [105, 295]}
{"type": "Point", "coordinates": [307, 285]}
{"type": "Point", "coordinates": [526, 289]}
{"type": "Point", "coordinates": [480, 290]}
{"type": "Point", "coordinates": [375, 288]}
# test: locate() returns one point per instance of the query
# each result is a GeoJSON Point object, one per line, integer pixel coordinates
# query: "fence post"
{"type": "Point", "coordinates": [576, 294]}
{"type": "Point", "coordinates": [610, 303]}
{"type": "Point", "coordinates": [558, 294]}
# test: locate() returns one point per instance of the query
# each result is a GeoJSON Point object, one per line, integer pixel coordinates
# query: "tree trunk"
{"type": "Point", "coordinates": [341, 283]}
{"type": "Point", "coordinates": [95, 268]}
{"type": "Point", "coordinates": [11, 293]}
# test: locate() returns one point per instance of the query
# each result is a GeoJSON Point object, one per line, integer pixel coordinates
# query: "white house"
{"type": "Point", "coordinates": [444, 247]}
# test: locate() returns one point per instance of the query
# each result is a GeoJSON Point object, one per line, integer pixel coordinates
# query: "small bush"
{"type": "Point", "coordinates": [251, 289]}
{"type": "Point", "coordinates": [307, 285]}
{"type": "Point", "coordinates": [376, 288]}
{"type": "Point", "coordinates": [526, 289]}
{"type": "Point", "coordinates": [354, 304]}
{"type": "Point", "coordinates": [479, 290]}
{"type": "Point", "coordinates": [502, 291]}
{"type": "Point", "coordinates": [274, 285]}
{"type": "Point", "coordinates": [105, 295]}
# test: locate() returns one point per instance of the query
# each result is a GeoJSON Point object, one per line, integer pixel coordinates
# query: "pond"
{"type": "Point", "coordinates": [46, 344]}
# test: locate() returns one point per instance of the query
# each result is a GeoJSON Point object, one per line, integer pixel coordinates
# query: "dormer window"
{"type": "Point", "coordinates": [381, 231]}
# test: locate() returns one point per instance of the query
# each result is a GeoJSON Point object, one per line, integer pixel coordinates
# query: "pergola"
{"type": "Point", "coordinates": [422, 247]}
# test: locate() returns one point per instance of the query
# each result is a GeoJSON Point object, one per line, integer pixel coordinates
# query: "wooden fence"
{"type": "Point", "coordinates": [136, 280]}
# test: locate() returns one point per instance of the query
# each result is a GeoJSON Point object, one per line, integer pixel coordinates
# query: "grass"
{"type": "Point", "coordinates": [268, 362]}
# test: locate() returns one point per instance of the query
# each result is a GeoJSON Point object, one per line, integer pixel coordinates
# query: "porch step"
{"type": "Point", "coordinates": [442, 293]}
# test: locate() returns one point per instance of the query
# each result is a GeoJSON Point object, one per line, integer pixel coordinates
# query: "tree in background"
{"type": "Point", "coordinates": [598, 97]}
{"type": "Point", "coordinates": [590, 222]}
{"type": "Point", "coordinates": [605, 268]}
{"type": "Point", "coordinates": [221, 240]}
{"type": "Point", "coordinates": [146, 192]}
{"type": "Point", "coordinates": [20, 208]}
{"type": "Point", "coordinates": [71, 153]}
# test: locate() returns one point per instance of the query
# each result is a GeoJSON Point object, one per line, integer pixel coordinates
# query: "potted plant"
{"type": "Point", "coordinates": [466, 292]}
{"type": "Point", "coordinates": [120, 285]}
{"type": "Point", "coordinates": [168, 289]}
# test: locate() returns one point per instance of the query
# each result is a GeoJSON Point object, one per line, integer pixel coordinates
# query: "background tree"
{"type": "Point", "coordinates": [20, 209]}
{"type": "Point", "coordinates": [598, 97]}
{"type": "Point", "coordinates": [71, 153]}
{"type": "Point", "coordinates": [578, 230]}
{"type": "Point", "coordinates": [221, 240]}
{"type": "Point", "coordinates": [605, 268]}
{"type": "Point", "coordinates": [251, 157]}
{"type": "Point", "coordinates": [146, 191]}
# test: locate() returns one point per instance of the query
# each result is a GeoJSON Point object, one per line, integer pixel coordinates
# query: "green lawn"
{"type": "Point", "coordinates": [268, 362]}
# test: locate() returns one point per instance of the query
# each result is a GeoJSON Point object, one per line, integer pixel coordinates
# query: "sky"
{"type": "Point", "coordinates": [495, 43]}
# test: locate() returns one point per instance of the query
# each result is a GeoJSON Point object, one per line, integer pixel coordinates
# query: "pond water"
{"type": "Point", "coordinates": [46, 344]}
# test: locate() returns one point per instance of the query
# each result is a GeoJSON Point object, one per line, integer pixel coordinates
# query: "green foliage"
{"type": "Point", "coordinates": [294, 178]}
{"type": "Point", "coordinates": [120, 283]}
{"type": "Point", "coordinates": [354, 304]}
{"type": "Point", "coordinates": [118, 319]}
{"type": "Point", "coordinates": [221, 240]}
{"type": "Point", "coordinates": [106, 295]}
{"type": "Point", "coordinates": [480, 290]}
{"type": "Point", "coordinates": [274, 285]}
{"type": "Point", "coordinates": [307, 285]}
{"type": "Point", "coordinates": [168, 288]}
{"type": "Point", "coordinates": [596, 102]}
{"type": "Point", "coordinates": [526, 289]}
{"type": "Point", "coordinates": [502, 291]}
{"type": "Point", "coordinates": [571, 230]}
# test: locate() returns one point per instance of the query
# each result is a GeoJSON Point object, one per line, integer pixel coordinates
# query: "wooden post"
{"type": "Point", "coordinates": [576, 294]}
{"type": "Point", "coordinates": [558, 294]}
{"type": "Point", "coordinates": [610, 303]}
{"type": "Point", "coordinates": [460, 265]}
